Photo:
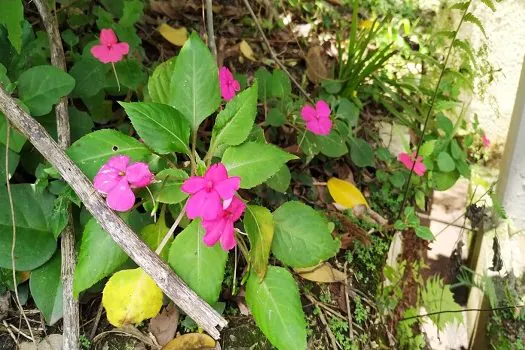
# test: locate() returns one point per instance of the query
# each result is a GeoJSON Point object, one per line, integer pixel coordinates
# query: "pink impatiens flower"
{"type": "Point", "coordinates": [229, 86]}
{"type": "Point", "coordinates": [317, 119]}
{"type": "Point", "coordinates": [485, 140]}
{"type": "Point", "coordinates": [207, 191]}
{"type": "Point", "coordinates": [117, 177]}
{"type": "Point", "coordinates": [222, 227]}
{"type": "Point", "coordinates": [408, 162]}
{"type": "Point", "coordinates": [109, 50]}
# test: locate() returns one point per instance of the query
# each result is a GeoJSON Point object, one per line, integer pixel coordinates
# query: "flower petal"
{"type": "Point", "coordinates": [227, 237]}
{"type": "Point", "coordinates": [106, 179]}
{"type": "Point", "coordinates": [325, 125]}
{"type": "Point", "coordinates": [213, 230]}
{"type": "Point", "coordinates": [322, 108]}
{"type": "Point", "coordinates": [227, 188]}
{"type": "Point", "coordinates": [236, 208]}
{"type": "Point", "coordinates": [216, 173]}
{"type": "Point", "coordinates": [138, 175]}
{"type": "Point", "coordinates": [108, 37]}
{"type": "Point", "coordinates": [193, 184]}
{"type": "Point", "coordinates": [420, 168]}
{"type": "Point", "coordinates": [314, 127]}
{"type": "Point", "coordinates": [121, 197]}
{"type": "Point", "coordinates": [121, 48]}
{"type": "Point", "coordinates": [406, 160]}
{"type": "Point", "coordinates": [119, 162]}
{"type": "Point", "coordinates": [101, 52]}
{"type": "Point", "coordinates": [308, 113]}
{"type": "Point", "coordinates": [115, 55]}
{"type": "Point", "coordinates": [204, 204]}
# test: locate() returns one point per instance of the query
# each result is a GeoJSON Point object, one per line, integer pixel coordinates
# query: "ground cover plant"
{"type": "Point", "coordinates": [259, 188]}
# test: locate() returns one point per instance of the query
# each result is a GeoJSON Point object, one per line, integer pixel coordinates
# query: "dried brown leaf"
{"type": "Point", "coordinates": [316, 65]}
{"type": "Point", "coordinates": [164, 325]}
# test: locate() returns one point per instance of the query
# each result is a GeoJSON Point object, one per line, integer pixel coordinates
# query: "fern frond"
{"type": "Point", "coordinates": [437, 297]}
{"type": "Point", "coordinates": [460, 6]}
{"type": "Point", "coordinates": [465, 46]}
{"type": "Point", "coordinates": [498, 207]}
{"type": "Point", "coordinates": [489, 4]}
{"type": "Point", "coordinates": [446, 33]}
{"type": "Point", "coordinates": [470, 17]}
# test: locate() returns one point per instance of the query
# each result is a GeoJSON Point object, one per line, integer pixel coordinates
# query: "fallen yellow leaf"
{"type": "Point", "coordinates": [191, 341]}
{"type": "Point", "coordinates": [131, 296]}
{"type": "Point", "coordinates": [344, 193]}
{"type": "Point", "coordinates": [323, 272]}
{"type": "Point", "coordinates": [175, 36]}
{"type": "Point", "coordinates": [246, 50]}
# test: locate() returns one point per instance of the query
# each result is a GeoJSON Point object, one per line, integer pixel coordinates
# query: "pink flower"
{"type": "Point", "coordinates": [229, 86]}
{"type": "Point", "coordinates": [117, 177]}
{"type": "Point", "coordinates": [222, 227]}
{"type": "Point", "coordinates": [485, 140]}
{"type": "Point", "coordinates": [207, 191]}
{"type": "Point", "coordinates": [109, 50]}
{"type": "Point", "coordinates": [408, 162]}
{"type": "Point", "coordinates": [317, 119]}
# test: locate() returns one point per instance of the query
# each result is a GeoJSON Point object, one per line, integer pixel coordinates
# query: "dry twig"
{"type": "Point", "coordinates": [323, 320]}
{"type": "Point", "coordinates": [209, 26]}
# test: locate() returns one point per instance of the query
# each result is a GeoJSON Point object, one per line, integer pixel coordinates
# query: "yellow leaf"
{"type": "Point", "coordinates": [323, 272]}
{"type": "Point", "coordinates": [246, 50]}
{"type": "Point", "coordinates": [366, 24]}
{"type": "Point", "coordinates": [344, 193]}
{"type": "Point", "coordinates": [175, 36]}
{"type": "Point", "coordinates": [131, 296]}
{"type": "Point", "coordinates": [191, 341]}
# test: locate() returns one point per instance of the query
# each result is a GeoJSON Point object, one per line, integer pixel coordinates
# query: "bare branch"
{"type": "Point", "coordinates": [202, 313]}
{"type": "Point", "coordinates": [209, 26]}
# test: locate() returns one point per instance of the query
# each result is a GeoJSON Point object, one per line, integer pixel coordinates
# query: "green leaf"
{"type": "Point", "coordinates": [444, 181]}
{"type": "Point", "coordinates": [445, 162]}
{"type": "Point", "coordinates": [276, 306]}
{"type": "Point", "coordinates": [93, 150]}
{"type": "Point", "coordinates": [445, 124]}
{"type": "Point", "coordinates": [456, 151]}
{"type": "Point", "coordinates": [11, 16]}
{"type": "Point", "coordinates": [280, 86]}
{"type": "Point", "coordinates": [159, 84]}
{"type": "Point", "coordinates": [132, 12]}
{"type": "Point", "coordinates": [99, 256]}
{"type": "Point", "coordinates": [489, 4]}
{"type": "Point", "coordinates": [308, 143]}
{"type": "Point", "coordinates": [14, 158]}
{"type": "Point", "coordinates": [302, 237]}
{"type": "Point", "coordinates": [41, 87]}
{"type": "Point", "coordinates": [275, 117]}
{"type": "Point", "coordinates": [470, 17]}
{"type": "Point", "coordinates": [254, 162]}
{"type": "Point", "coordinates": [200, 266]}
{"type": "Point", "coordinates": [195, 80]}
{"type": "Point", "coordinates": [331, 145]}
{"type": "Point", "coordinates": [264, 79]}
{"type": "Point", "coordinates": [424, 232]}
{"type": "Point", "coordinates": [460, 6]}
{"type": "Point", "coordinates": [129, 72]}
{"type": "Point", "coordinates": [46, 289]}
{"type": "Point", "coordinates": [153, 234]}
{"type": "Point", "coordinates": [34, 241]}
{"type": "Point", "coordinates": [70, 38]}
{"type": "Point", "coordinates": [348, 111]}
{"type": "Point", "coordinates": [259, 225]}
{"type": "Point", "coordinates": [361, 153]}
{"type": "Point", "coordinates": [89, 75]}
{"type": "Point", "coordinates": [397, 179]}
{"type": "Point", "coordinates": [463, 167]}
{"type": "Point", "coordinates": [234, 122]}
{"type": "Point", "coordinates": [16, 139]}
{"type": "Point", "coordinates": [168, 189]}
{"type": "Point", "coordinates": [162, 127]}
{"type": "Point", "coordinates": [281, 180]}
{"type": "Point", "coordinates": [420, 199]}
{"type": "Point", "coordinates": [437, 297]}
{"type": "Point", "coordinates": [427, 148]}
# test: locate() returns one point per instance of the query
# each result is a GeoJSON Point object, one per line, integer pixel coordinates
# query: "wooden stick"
{"type": "Point", "coordinates": [198, 310]}
{"type": "Point", "coordinates": [209, 25]}
{"type": "Point", "coordinates": [71, 319]}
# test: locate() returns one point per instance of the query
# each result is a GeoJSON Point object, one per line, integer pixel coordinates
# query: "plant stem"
{"type": "Point", "coordinates": [431, 108]}
{"type": "Point", "coordinates": [242, 245]}
{"type": "Point", "coordinates": [193, 156]}
{"type": "Point", "coordinates": [209, 24]}
{"type": "Point", "coordinates": [171, 230]}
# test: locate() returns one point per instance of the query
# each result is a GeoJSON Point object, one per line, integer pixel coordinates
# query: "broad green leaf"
{"type": "Point", "coordinates": [41, 87]}
{"type": "Point", "coordinates": [130, 74]}
{"type": "Point", "coordinates": [280, 86]}
{"type": "Point", "coordinates": [264, 78]}
{"type": "Point", "coordinates": [11, 16]}
{"type": "Point", "coordinates": [424, 232]}
{"type": "Point", "coordinates": [275, 304]}
{"type": "Point", "coordinates": [14, 158]}
{"type": "Point", "coordinates": [133, 10]}
{"type": "Point", "coordinates": [348, 111]}
{"type": "Point", "coordinates": [168, 189]}
{"type": "Point", "coordinates": [445, 162]}
{"type": "Point", "coordinates": [254, 162]}
{"type": "Point", "coordinates": [34, 241]}
{"type": "Point", "coordinates": [80, 122]}
{"type": "Point", "coordinates": [99, 256]}
{"type": "Point", "coordinates": [90, 75]}
{"type": "Point", "coordinates": [16, 139]}
{"type": "Point", "coordinates": [46, 289]}
{"type": "Point", "coordinates": [445, 124]}
{"type": "Point", "coordinates": [427, 148]}
{"type": "Point", "coordinates": [162, 127]}
{"type": "Point", "coordinates": [153, 234]}
{"type": "Point", "coordinates": [234, 122]}
{"type": "Point", "coordinates": [308, 143]}
{"type": "Point", "coordinates": [302, 237]}
{"type": "Point", "coordinates": [331, 145]}
{"type": "Point", "coordinates": [200, 266]}
{"type": "Point", "coordinates": [93, 150]}
{"type": "Point", "coordinates": [444, 181]}
{"type": "Point", "coordinates": [361, 153]}
{"type": "Point", "coordinates": [130, 297]}
{"type": "Point", "coordinates": [70, 38]}
{"type": "Point", "coordinates": [195, 82]}
{"type": "Point", "coordinates": [159, 84]}
{"type": "Point", "coordinates": [281, 180]}
{"type": "Point", "coordinates": [397, 179]}
{"type": "Point", "coordinates": [259, 225]}
{"type": "Point", "coordinates": [456, 151]}
{"type": "Point", "coordinates": [275, 117]}
{"type": "Point", "coordinates": [256, 135]}
{"type": "Point", "coordinates": [344, 193]}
